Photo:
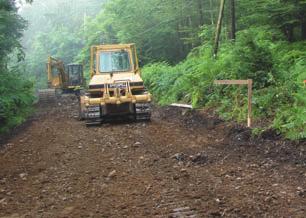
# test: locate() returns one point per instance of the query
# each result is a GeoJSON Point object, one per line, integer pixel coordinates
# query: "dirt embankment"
{"type": "Point", "coordinates": [182, 164]}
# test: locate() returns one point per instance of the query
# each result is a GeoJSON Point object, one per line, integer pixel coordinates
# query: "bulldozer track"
{"type": "Point", "coordinates": [47, 95]}
{"type": "Point", "coordinates": [143, 112]}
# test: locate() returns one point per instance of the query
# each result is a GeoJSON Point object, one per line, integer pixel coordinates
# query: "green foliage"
{"type": "Point", "coordinates": [16, 94]}
{"type": "Point", "coordinates": [162, 30]}
{"type": "Point", "coordinates": [287, 16]}
{"type": "Point", "coordinates": [11, 27]}
{"type": "Point", "coordinates": [291, 114]}
{"type": "Point", "coordinates": [161, 78]}
{"type": "Point", "coordinates": [16, 98]}
{"type": "Point", "coordinates": [277, 68]}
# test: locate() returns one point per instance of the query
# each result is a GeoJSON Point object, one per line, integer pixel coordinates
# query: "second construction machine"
{"type": "Point", "coordinates": [61, 79]}
{"type": "Point", "coordinates": [116, 87]}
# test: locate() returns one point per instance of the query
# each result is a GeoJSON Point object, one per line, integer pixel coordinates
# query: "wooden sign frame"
{"type": "Point", "coordinates": [249, 83]}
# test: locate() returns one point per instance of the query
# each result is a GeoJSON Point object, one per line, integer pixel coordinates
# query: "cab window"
{"type": "Point", "coordinates": [114, 61]}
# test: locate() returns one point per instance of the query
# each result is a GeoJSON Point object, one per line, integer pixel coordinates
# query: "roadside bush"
{"type": "Point", "coordinates": [277, 68]}
{"type": "Point", "coordinates": [16, 99]}
{"type": "Point", "coordinates": [16, 94]}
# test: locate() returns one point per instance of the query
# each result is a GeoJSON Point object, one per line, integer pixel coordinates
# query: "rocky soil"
{"type": "Point", "coordinates": [181, 164]}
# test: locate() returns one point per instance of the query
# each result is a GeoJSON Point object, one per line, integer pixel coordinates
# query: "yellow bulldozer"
{"type": "Point", "coordinates": [61, 79]}
{"type": "Point", "coordinates": [116, 88]}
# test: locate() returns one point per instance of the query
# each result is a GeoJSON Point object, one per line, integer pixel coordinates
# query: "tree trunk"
{"type": "Point", "coordinates": [201, 12]}
{"type": "Point", "coordinates": [303, 29]}
{"type": "Point", "coordinates": [289, 33]}
{"type": "Point", "coordinates": [218, 30]}
{"type": "Point", "coordinates": [233, 20]}
{"type": "Point", "coordinates": [211, 12]}
{"type": "Point", "coordinates": [180, 47]}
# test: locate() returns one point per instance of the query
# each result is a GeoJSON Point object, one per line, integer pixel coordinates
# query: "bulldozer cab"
{"type": "Point", "coordinates": [75, 74]}
{"type": "Point", "coordinates": [114, 59]}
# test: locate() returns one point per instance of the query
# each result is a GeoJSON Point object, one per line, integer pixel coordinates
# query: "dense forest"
{"type": "Point", "coordinates": [16, 93]}
{"type": "Point", "coordinates": [263, 40]}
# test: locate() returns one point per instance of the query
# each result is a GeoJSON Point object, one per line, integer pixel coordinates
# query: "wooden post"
{"type": "Point", "coordinates": [250, 87]}
{"type": "Point", "coordinates": [219, 26]}
{"type": "Point", "coordinates": [248, 82]}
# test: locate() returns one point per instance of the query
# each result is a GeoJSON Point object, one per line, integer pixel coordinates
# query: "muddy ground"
{"type": "Point", "coordinates": [182, 164]}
